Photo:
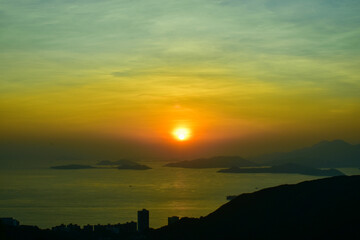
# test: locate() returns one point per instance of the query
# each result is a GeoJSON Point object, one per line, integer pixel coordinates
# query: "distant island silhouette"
{"type": "Point", "coordinates": [289, 168]}
{"type": "Point", "coordinates": [116, 162]}
{"type": "Point", "coordinates": [72, 166]}
{"type": "Point", "coordinates": [214, 162]}
{"type": "Point", "coordinates": [120, 164]}
{"type": "Point", "coordinates": [325, 154]}
{"type": "Point", "coordinates": [133, 167]}
{"type": "Point", "coordinates": [124, 164]}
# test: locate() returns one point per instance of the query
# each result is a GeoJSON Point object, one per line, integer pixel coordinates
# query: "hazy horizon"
{"type": "Point", "coordinates": [40, 154]}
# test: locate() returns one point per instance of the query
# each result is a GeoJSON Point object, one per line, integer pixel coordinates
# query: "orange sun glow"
{"type": "Point", "coordinates": [181, 134]}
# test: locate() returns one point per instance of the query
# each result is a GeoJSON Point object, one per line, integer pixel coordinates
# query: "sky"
{"type": "Point", "coordinates": [111, 79]}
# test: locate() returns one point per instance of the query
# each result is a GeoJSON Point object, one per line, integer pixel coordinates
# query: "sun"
{"type": "Point", "coordinates": [181, 134]}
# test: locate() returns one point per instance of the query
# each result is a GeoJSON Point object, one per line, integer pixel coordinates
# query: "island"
{"type": "Point", "coordinates": [124, 164]}
{"type": "Point", "coordinates": [115, 163]}
{"type": "Point", "coordinates": [285, 168]}
{"type": "Point", "coordinates": [133, 167]}
{"type": "Point", "coordinates": [214, 162]}
{"type": "Point", "coordinates": [72, 166]}
{"type": "Point", "coordinates": [325, 154]}
{"type": "Point", "coordinates": [121, 164]}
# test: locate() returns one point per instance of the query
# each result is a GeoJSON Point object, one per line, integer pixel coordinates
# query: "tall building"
{"type": "Point", "coordinates": [143, 220]}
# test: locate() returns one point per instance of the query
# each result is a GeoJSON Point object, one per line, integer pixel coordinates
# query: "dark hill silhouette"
{"type": "Point", "coordinates": [320, 209]}
{"type": "Point", "coordinates": [325, 154]}
{"type": "Point", "coordinates": [215, 162]}
{"type": "Point", "coordinates": [285, 168]}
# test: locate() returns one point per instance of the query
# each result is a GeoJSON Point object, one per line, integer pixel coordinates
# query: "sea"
{"type": "Point", "coordinates": [47, 197]}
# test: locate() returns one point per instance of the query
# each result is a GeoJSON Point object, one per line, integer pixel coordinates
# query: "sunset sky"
{"type": "Point", "coordinates": [118, 77]}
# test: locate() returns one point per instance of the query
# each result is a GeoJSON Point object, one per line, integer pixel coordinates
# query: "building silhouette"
{"type": "Point", "coordinates": [143, 220]}
{"type": "Point", "coordinates": [125, 228]}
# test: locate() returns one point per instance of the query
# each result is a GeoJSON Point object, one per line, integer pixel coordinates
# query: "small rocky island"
{"type": "Point", "coordinates": [214, 162]}
{"type": "Point", "coordinates": [133, 167]}
{"type": "Point", "coordinates": [285, 168]}
{"type": "Point", "coordinates": [72, 166]}
{"type": "Point", "coordinates": [124, 164]}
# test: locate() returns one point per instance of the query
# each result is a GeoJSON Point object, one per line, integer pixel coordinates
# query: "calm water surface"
{"type": "Point", "coordinates": [47, 197]}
